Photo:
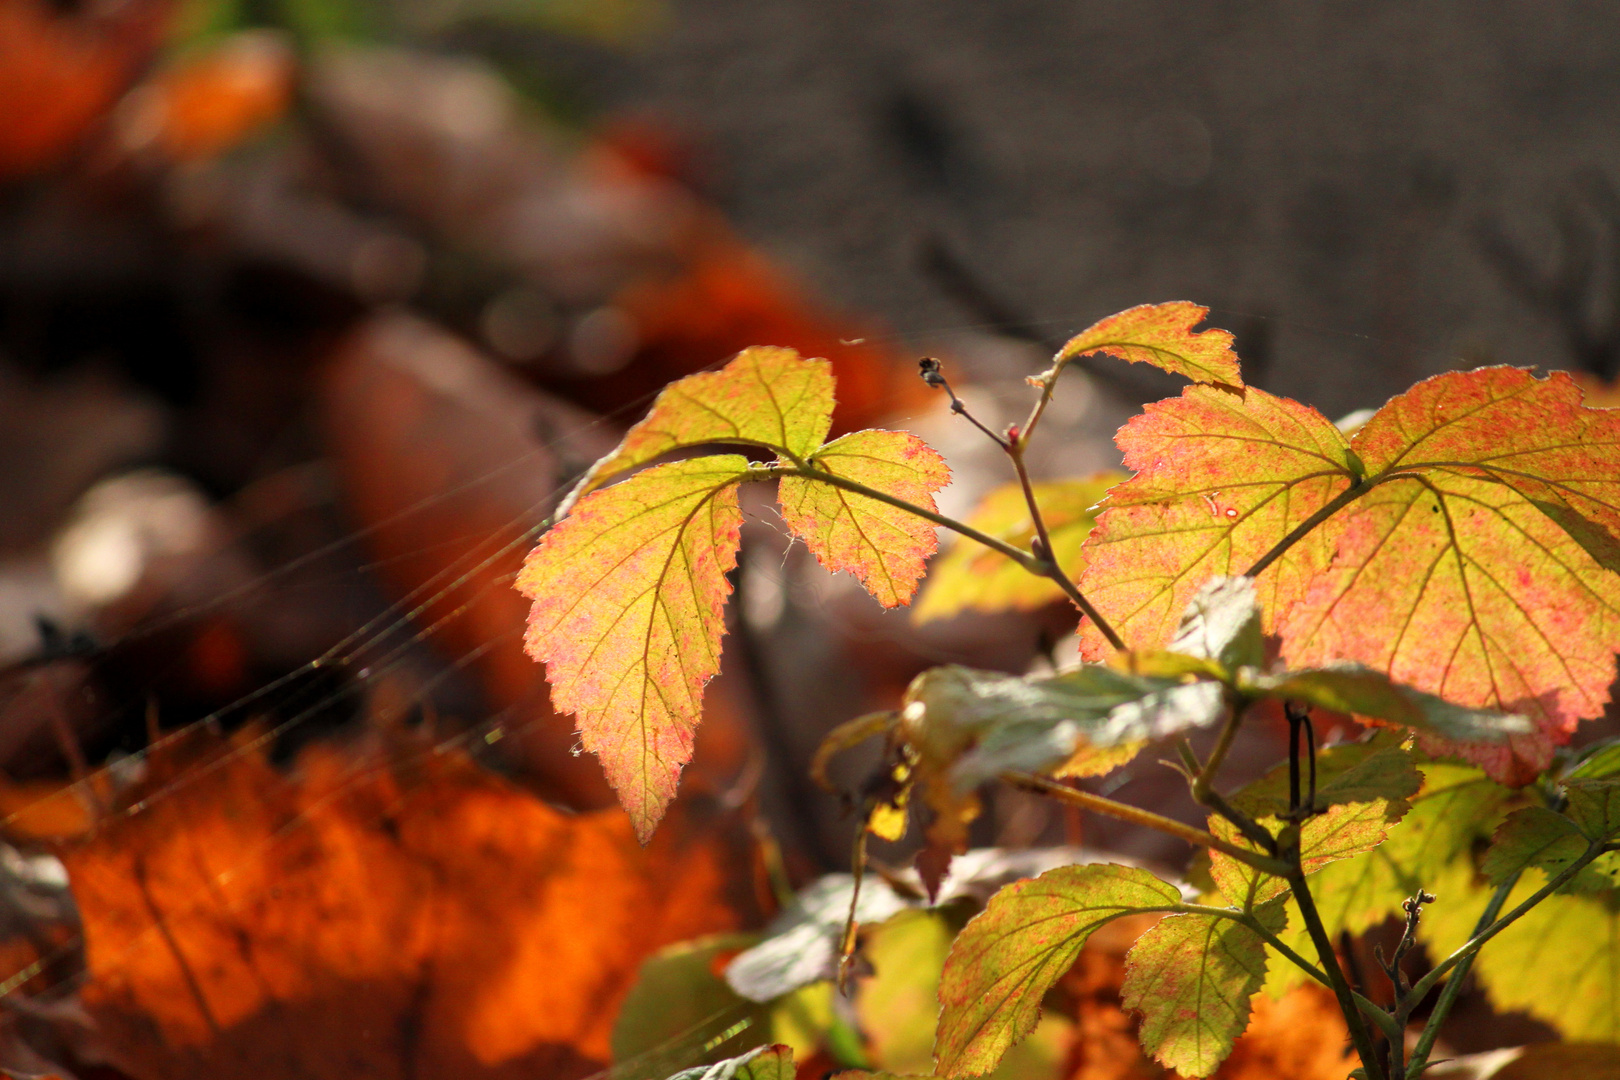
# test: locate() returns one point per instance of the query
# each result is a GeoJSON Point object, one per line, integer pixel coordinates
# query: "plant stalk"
{"type": "Point", "coordinates": [1366, 1049]}
{"type": "Point", "coordinates": [1300, 531]}
{"type": "Point", "coordinates": [1453, 988]}
{"type": "Point", "coordinates": [1085, 800]}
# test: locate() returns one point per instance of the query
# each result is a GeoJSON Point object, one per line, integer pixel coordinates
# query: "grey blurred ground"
{"type": "Point", "coordinates": [1320, 174]}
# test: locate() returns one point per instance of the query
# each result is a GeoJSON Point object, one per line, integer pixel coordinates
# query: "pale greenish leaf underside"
{"type": "Point", "coordinates": [1011, 953]}
{"type": "Point", "coordinates": [1191, 977]}
{"type": "Point", "coordinates": [761, 1063]}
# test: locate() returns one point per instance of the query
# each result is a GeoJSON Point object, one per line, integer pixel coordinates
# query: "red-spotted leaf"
{"type": "Point", "coordinates": [1478, 566]}
{"type": "Point", "coordinates": [1011, 953]}
{"type": "Point", "coordinates": [628, 594]}
{"type": "Point", "coordinates": [972, 577]}
{"type": "Point", "coordinates": [1161, 335]}
{"type": "Point", "coordinates": [766, 396]}
{"type": "Point", "coordinates": [1191, 978]}
{"type": "Point", "coordinates": [885, 547]}
{"type": "Point", "coordinates": [1221, 476]}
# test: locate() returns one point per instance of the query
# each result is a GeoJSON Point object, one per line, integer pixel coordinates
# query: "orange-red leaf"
{"type": "Point", "coordinates": [628, 594]}
{"type": "Point", "coordinates": [885, 547]}
{"type": "Point", "coordinates": [970, 576]}
{"type": "Point", "coordinates": [1161, 335]}
{"type": "Point", "coordinates": [1479, 570]}
{"type": "Point", "coordinates": [1221, 476]}
{"type": "Point", "coordinates": [767, 396]}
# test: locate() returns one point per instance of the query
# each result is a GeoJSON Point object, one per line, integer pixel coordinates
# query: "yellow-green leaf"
{"type": "Point", "coordinates": [766, 396]}
{"type": "Point", "coordinates": [628, 593]}
{"type": "Point", "coordinates": [1536, 836]}
{"type": "Point", "coordinates": [1161, 335]}
{"type": "Point", "coordinates": [1011, 953]}
{"type": "Point", "coordinates": [1191, 978]}
{"type": "Point", "coordinates": [972, 577]}
{"type": "Point", "coordinates": [1559, 962]}
{"type": "Point", "coordinates": [885, 547]}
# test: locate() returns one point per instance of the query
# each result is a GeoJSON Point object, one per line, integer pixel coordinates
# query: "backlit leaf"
{"type": "Point", "coordinates": [766, 396]}
{"type": "Point", "coordinates": [972, 577]}
{"type": "Point", "coordinates": [1481, 573]}
{"type": "Point", "coordinates": [1011, 953]}
{"type": "Point", "coordinates": [1476, 566]}
{"type": "Point", "coordinates": [1456, 805]}
{"type": "Point", "coordinates": [1221, 476]}
{"type": "Point", "coordinates": [1191, 977]}
{"type": "Point", "coordinates": [1559, 962]}
{"type": "Point", "coordinates": [1595, 806]}
{"type": "Point", "coordinates": [1365, 788]}
{"type": "Point", "coordinates": [628, 593]}
{"type": "Point", "coordinates": [1536, 836]}
{"type": "Point", "coordinates": [1161, 335]}
{"type": "Point", "coordinates": [885, 547]}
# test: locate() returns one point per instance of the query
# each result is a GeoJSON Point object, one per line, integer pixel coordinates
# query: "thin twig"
{"type": "Point", "coordinates": [1453, 987]}
{"type": "Point", "coordinates": [1204, 793]}
{"type": "Point", "coordinates": [1085, 800]}
{"type": "Point", "coordinates": [1300, 531]}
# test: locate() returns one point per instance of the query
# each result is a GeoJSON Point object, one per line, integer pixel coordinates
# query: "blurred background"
{"type": "Point", "coordinates": [310, 310]}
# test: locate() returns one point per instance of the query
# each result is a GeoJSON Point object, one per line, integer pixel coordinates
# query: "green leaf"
{"type": "Point", "coordinates": [1456, 805]}
{"type": "Point", "coordinates": [885, 547]}
{"type": "Point", "coordinates": [1191, 977]}
{"type": "Point", "coordinates": [972, 577]}
{"type": "Point", "coordinates": [1364, 787]}
{"type": "Point", "coordinates": [1536, 836]}
{"type": "Point", "coordinates": [766, 396]}
{"type": "Point", "coordinates": [1011, 953]}
{"type": "Point", "coordinates": [1361, 691]}
{"type": "Point", "coordinates": [1594, 805]}
{"type": "Point", "coordinates": [629, 593]}
{"type": "Point", "coordinates": [1559, 962]}
{"type": "Point", "coordinates": [1157, 334]}
{"type": "Point", "coordinates": [760, 1063]}
{"type": "Point", "coordinates": [1222, 623]}
{"type": "Point", "coordinates": [677, 992]}
{"type": "Point", "coordinates": [1598, 761]}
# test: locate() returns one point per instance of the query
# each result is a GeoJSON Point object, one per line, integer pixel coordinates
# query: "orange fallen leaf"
{"type": "Point", "coordinates": [413, 916]}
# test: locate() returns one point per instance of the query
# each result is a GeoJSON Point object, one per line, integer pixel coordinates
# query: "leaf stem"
{"type": "Point", "coordinates": [1204, 793]}
{"type": "Point", "coordinates": [1014, 446]}
{"type": "Point", "coordinates": [1366, 1049]}
{"type": "Point", "coordinates": [810, 472]}
{"type": "Point", "coordinates": [1085, 800]}
{"type": "Point", "coordinates": [1472, 945]}
{"type": "Point", "coordinates": [1453, 988]}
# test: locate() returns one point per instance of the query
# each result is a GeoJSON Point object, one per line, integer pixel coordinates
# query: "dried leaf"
{"type": "Point", "coordinates": [1191, 977]}
{"type": "Point", "coordinates": [767, 396]}
{"type": "Point", "coordinates": [628, 593]}
{"type": "Point", "coordinates": [885, 547]}
{"type": "Point", "coordinates": [1161, 335]}
{"type": "Point", "coordinates": [418, 917]}
{"type": "Point", "coordinates": [1011, 953]}
{"type": "Point", "coordinates": [972, 577]}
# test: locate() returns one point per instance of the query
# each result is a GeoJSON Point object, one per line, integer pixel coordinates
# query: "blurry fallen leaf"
{"type": "Point", "coordinates": [417, 917]}
{"type": "Point", "coordinates": [210, 102]}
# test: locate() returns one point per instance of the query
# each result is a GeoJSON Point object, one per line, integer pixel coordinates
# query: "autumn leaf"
{"type": "Point", "coordinates": [1011, 953]}
{"type": "Point", "coordinates": [767, 397]}
{"type": "Point", "coordinates": [1157, 334]}
{"type": "Point", "coordinates": [629, 592]}
{"type": "Point", "coordinates": [972, 577]}
{"type": "Point", "coordinates": [1470, 561]}
{"type": "Point", "coordinates": [887, 548]}
{"type": "Point", "coordinates": [1536, 836]}
{"type": "Point", "coordinates": [1191, 977]}
{"type": "Point", "coordinates": [403, 915]}
{"type": "Point", "coordinates": [1221, 476]}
